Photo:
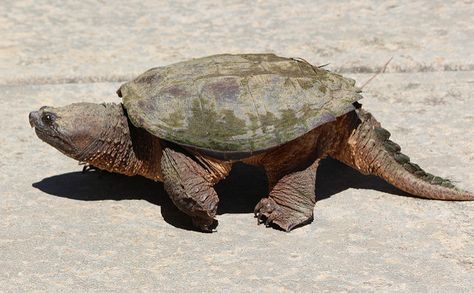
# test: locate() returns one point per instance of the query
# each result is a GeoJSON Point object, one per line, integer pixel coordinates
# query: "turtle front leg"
{"type": "Point", "coordinates": [190, 187]}
{"type": "Point", "coordinates": [291, 201]}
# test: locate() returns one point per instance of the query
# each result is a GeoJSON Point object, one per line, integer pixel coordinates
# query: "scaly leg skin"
{"type": "Point", "coordinates": [190, 188]}
{"type": "Point", "coordinates": [291, 201]}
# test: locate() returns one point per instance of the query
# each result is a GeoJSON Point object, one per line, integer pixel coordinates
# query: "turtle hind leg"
{"type": "Point", "coordinates": [190, 187]}
{"type": "Point", "coordinates": [291, 201]}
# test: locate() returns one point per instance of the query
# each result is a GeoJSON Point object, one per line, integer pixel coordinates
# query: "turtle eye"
{"type": "Point", "coordinates": [48, 118]}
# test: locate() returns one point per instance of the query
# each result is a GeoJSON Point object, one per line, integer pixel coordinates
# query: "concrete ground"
{"type": "Point", "coordinates": [61, 230]}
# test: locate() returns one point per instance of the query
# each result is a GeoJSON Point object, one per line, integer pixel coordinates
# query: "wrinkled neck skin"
{"type": "Point", "coordinates": [123, 148]}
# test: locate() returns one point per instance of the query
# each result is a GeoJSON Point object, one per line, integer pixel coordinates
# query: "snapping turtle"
{"type": "Point", "coordinates": [186, 124]}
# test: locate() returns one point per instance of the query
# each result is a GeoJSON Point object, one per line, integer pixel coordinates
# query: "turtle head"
{"type": "Point", "coordinates": [72, 129]}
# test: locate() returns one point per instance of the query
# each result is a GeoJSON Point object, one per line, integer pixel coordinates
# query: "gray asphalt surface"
{"type": "Point", "coordinates": [61, 230]}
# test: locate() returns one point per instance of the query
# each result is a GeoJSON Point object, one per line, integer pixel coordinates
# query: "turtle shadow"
{"type": "Point", "coordinates": [239, 193]}
{"type": "Point", "coordinates": [334, 177]}
{"type": "Point", "coordinates": [100, 185]}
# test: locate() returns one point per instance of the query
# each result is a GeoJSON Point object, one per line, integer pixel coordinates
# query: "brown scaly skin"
{"type": "Point", "coordinates": [102, 136]}
{"type": "Point", "coordinates": [190, 187]}
{"type": "Point", "coordinates": [99, 135]}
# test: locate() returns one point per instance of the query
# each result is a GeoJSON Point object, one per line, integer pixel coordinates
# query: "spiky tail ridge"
{"type": "Point", "coordinates": [368, 149]}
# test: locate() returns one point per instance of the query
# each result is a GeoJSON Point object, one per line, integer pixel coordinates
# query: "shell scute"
{"type": "Point", "coordinates": [236, 103]}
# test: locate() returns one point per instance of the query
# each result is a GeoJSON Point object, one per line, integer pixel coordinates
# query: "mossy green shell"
{"type": "Point", "coordinates": [238, 104]}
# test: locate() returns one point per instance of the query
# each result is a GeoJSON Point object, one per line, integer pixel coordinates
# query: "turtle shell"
{"type": "Point", "coordinates": [236, 105]}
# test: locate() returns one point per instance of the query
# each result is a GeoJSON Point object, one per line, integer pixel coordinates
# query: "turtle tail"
{"type": "Point", "coordinates": [368, 149]}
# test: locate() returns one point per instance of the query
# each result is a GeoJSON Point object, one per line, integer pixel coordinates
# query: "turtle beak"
{"type": "Point", "coordinates": [34, 118]}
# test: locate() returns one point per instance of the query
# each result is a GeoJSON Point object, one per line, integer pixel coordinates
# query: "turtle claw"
{"type": "Point", "coordinates": [270, 219]}
{"type": "Point", "coordinates": [205, 225]}
{"type": "Point", "coordinates": [271, 213]}
{"type": "Point", "coordinates": [263, 219]}
{"type": "Point", "coordinates": [88, 168]}
{"type": "Point", "coordinates": [267, 211]}
{"type": "Point", "coordinates": [262, 211]}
